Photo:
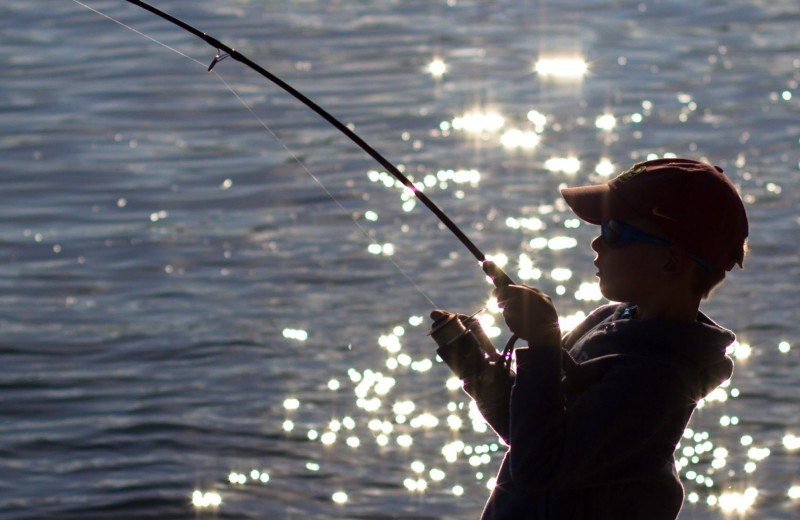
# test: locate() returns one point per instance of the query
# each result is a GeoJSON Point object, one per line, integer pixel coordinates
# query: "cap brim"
{"type": "Point", "coordinates": [591, 203]}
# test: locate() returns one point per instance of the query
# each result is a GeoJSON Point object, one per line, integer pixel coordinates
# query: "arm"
{"type": "Point", "coordinates": [488, 383]}
{"type": "Point", "coordinates": [491, 390]}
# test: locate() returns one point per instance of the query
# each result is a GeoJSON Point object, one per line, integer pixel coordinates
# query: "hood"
{"type": "Point", "coordinates": [698, 346]}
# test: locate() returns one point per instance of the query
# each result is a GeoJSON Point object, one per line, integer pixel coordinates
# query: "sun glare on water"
{"type": "Point", "coordinates": [437, 68]}
{"type": "Point", "coordinates": [564, 68]}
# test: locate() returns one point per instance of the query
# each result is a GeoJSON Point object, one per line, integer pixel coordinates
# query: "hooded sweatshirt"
{"type": "Point", "coordinates": [597, 441]}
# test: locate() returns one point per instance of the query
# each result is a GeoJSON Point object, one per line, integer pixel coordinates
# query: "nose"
{"type": "Point", "coordinates": [598, 243]}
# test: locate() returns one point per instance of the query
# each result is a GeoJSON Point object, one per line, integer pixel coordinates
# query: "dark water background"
{"type": "Point", "coordinates": [187, 315]}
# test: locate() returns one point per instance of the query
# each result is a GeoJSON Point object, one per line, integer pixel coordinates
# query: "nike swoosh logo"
{"type": "Point", "coordinates": [658, 213]}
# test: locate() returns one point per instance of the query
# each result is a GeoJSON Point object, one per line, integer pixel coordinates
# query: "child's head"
{"type": "Point", "coordinates": [684, 202]}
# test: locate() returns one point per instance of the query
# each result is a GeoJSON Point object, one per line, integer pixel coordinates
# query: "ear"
{"type": "Point", "coordinates": [676, 262]}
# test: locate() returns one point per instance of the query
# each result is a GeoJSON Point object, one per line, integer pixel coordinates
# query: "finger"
{"type": "Point", "coordinates": [503, 303]}
{"type": "Point", "coordinates": [506, 292]}
{"type": "Point", "coordinates": [438, 313]}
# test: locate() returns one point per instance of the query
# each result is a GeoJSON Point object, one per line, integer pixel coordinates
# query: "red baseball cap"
{"type": "Point", "coordinates": [693, 203]}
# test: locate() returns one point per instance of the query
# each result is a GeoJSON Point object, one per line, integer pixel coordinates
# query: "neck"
{"type": "Point", "coordinates": [669, 310]}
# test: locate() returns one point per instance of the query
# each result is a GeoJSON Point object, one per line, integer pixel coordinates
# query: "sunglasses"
{"type": "Point", "coordinates": [618, 234]}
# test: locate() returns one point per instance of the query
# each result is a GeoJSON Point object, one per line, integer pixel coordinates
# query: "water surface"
{"type": "Point", "coordinates": [198, 309]}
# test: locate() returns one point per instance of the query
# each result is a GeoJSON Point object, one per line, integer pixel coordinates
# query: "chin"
{"type": "Point", "coordinates": [612, 295]}
{"type": "Point", "coordinates": [605, 290]}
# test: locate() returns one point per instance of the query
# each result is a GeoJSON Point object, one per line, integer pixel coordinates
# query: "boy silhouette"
{"type": "Point", "coordinates": [592, 419]}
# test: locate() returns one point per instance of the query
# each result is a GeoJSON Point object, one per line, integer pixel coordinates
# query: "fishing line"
{"type": "Point", "coordinates": [266, 127]}
{"type": "Point", "coordinates": [324, 188]}
{"type": "Point", "coordinates": [140, 33]}
{"type": "Point", "coordinates": [498, 276]}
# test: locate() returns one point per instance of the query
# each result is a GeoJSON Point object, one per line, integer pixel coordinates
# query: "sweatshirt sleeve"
{"type": "Point", "coordinates": [490, 388]}
{"type": "Point", "coordinates": [487, 383]}
{"type": "Point", "coordinates": [632, 410]}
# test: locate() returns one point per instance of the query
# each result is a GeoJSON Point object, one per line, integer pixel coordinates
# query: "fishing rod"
{"type": "Point", "coordinates": [448, 328]}
{"type": "Point", "coordinates": [491, 269]}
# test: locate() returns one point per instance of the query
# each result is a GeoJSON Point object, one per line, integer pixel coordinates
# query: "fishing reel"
{"type": "Point", "coordinates": [463, 344]}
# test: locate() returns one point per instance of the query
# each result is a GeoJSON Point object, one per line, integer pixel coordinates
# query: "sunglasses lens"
{"type": "Point", "coordinates": [614, 234]}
